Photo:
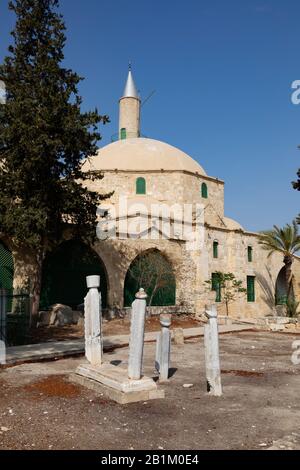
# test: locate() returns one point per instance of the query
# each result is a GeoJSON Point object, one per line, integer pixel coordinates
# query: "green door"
{"type": "Point", "coordinates": [65, 272]}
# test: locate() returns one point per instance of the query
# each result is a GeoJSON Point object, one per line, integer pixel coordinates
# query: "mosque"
{"type": "Point", "coordinates": [148, 173]}
{"type": "Point", "coordinates": [163, 204]}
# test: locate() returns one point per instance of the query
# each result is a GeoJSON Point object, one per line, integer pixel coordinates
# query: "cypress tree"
{"type": "Point", "coordinates": [44, 136]}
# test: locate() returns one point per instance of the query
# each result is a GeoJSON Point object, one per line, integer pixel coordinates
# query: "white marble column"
{"type": "Point", "coordinates": [212, 359]}
{"type": "Point", "coordinates": [93, 322]}
{"type": "Point", "coordinates": [137, 332]}
{"type": "Point", "coordinates": [163, 348]}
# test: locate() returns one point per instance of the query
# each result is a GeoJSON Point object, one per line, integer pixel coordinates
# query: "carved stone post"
{"type": "Point", "coordinates": [93, 322]}
{"type": "Point", "coordinates": [163, 348]}
{"type": "Point", "coordinates": [137, 332]}
{"type": "Point", "coordinates": [212, 360]}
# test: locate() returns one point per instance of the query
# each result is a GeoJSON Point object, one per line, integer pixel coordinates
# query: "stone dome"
{"type": "Point", "coordinates": [232, 224]}
{"type": "Point", "coordinates": [139, 154]}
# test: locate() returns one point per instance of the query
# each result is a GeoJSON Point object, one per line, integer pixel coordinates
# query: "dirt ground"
{"type": "Point", "coordinates": [260, 408]}
{"type": "Point", "coordinates": [113, 327]}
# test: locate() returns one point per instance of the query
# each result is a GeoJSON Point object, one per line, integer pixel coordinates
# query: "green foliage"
{"type": "Point", "coordinates": [296, 184]}
{"type": "Point", "coordinates": [153, 272]}
{"type": "Point", "coordinates": [44, 135]}
{"type": "Point", "coordinates": [284, 240]}
{"type": "Point", "coordinates": [228, 288]}
{"type": "Point", "coordinates": [292, 308]}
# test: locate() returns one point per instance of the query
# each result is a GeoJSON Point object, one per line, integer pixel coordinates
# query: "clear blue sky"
{"type": "Point", "coordinates": [222, 71]}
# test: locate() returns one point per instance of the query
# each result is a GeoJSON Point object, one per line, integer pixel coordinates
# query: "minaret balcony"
{"type": "Point", "coordinates": [129, 135]}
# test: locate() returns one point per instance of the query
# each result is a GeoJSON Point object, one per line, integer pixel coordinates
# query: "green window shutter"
{"type": "Point", "coordinates": [216, 249]}
{"type": "Point", "coordinates": [250, 254]}
{"type": "Point", "coordinates": [141, 186]}
{"type": "Point", "coordinates": [204, 191]}
{"type": "Point", "coordinates": [250, 288]}
{"type": "Point", "coordinates": [123, 133]}
{"type": "Point", "coordinates": [216, 286]}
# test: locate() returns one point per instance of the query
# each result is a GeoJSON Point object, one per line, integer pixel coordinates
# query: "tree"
{"type": "Point", "coordinates": [154, 273]}
{"type": "Point", "coordinates": [296, 184]}
{"type": "Point", "coordinates": [44, 138]}
{"type": "Point", "coordinates": [228, 288]}
{"type": "Point", "coordinates": [286, 241]}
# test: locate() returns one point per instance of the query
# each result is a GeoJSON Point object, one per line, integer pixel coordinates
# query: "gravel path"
{"type": "Point", "coordinates": [260, 408]}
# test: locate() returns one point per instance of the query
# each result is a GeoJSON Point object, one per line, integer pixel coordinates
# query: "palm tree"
{"type": "Point", "coordinates": [284, 240]}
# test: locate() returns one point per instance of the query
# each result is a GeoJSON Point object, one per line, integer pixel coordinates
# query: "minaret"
{"type": "Point", "coordinates": [130, 108]}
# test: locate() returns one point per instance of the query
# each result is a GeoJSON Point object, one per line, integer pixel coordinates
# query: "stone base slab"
{"type": "Point", "coordinates": [113, 382]}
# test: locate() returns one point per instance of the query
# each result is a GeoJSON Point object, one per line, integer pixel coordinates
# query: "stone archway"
{"type": "Point", "coordinates": [154, 272]}
{"type": "Point", "coordinates": [6, 268]}
{"type": "Point", "coordinates": [65, 271]}
{"type": "Point", "coordinates": [281, 293]}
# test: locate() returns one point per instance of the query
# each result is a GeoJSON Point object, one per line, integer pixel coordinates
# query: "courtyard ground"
{"type": "Point", "coordinates": [114, 327]}
{"type": "Point", "coordinates": [260, 408]}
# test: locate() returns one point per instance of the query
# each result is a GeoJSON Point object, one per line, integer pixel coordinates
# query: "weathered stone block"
{"type": "Point", "coordinates": [44, 318]}
{"type": "Point", "coordinates": [276, 327]}
{"type": "Point", "coordinates": [61, 315]}
{"type": "Point", "coordinates": [77, 316]}
{"type": "Point", "coordinates": [113, 381]}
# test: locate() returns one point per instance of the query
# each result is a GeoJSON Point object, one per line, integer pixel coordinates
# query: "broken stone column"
{"type": "Point", "coordinates": [93, 322]}
{"type": "Point", "coordinates": [137, 333]}
{"type": "Point", "coordinates": [212, 360]}
{"type": "Point", "coordinates": [163, 348]}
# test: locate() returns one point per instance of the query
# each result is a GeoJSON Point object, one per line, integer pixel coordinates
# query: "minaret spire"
{"type": "Point", "coordinates": [130, 90]}
{"type": "Point", "coordinates": [130, 107]}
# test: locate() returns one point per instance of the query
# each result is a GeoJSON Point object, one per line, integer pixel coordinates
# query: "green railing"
{"type": "Point", "coordinates": [15, 318]}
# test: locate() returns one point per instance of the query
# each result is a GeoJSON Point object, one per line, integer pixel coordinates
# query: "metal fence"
{"type": "Point", "coordinates": [14, 317]}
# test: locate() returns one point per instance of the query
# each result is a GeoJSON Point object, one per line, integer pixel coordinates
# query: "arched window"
{"type": "Point", "coordinates": [216, 249]}
{"type": "Point", "coordinates": [141, 186]}
{"type": "Point", "coordinates": [282, 291]}
{"type": "Point", "coordinates": [155, 273]}
{"type": "Point", "coordinates": [204, 191]}
{"type": "Point", "coordinates": [250, 254]}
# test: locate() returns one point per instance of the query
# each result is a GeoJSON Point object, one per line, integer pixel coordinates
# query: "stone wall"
{"type": "Point", "coordinates": [117, 256]}
{"type": "Point", "coordinates": [233, 257]}
{"type": "Point", "coordinates": [166, 187]}
{"type": "Point", "coordinates": [151, 311]}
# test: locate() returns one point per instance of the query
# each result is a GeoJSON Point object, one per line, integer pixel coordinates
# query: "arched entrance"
{"type": "Point", "coordinates": [65, 272]}
{"type": "Point", "coordinates": [281, 293]}
{"type": "Point", "coordinates": [6, 268]}
{"type": "Point", "coordinates": [152, 271]}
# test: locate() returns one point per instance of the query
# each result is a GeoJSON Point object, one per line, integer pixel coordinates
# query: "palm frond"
{"type": "Point", "coordinates": [285, 240]}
